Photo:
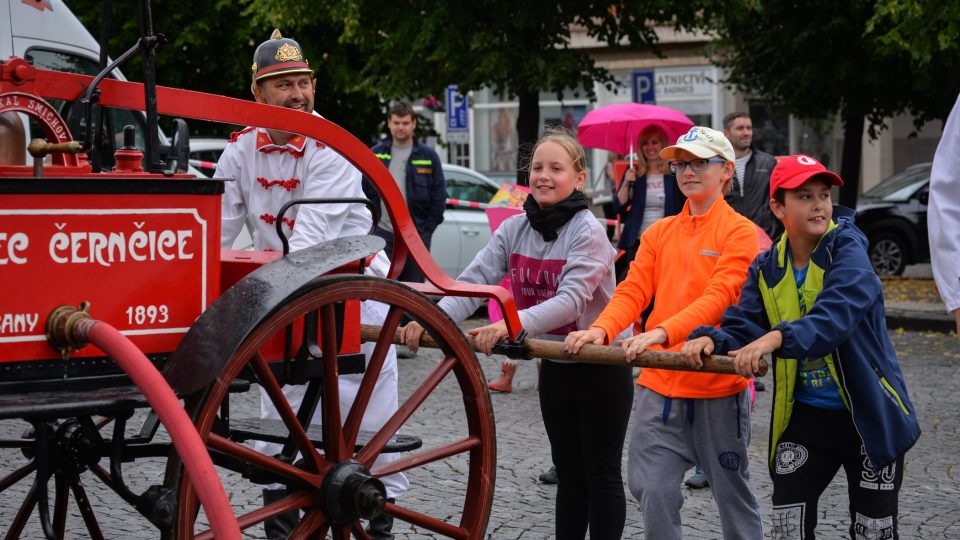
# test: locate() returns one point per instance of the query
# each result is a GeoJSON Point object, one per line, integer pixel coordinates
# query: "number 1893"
{"type": "Point", "coordinates": [141, 315]}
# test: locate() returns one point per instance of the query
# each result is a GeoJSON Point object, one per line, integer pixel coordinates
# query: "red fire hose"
{"type": "Point", "coordinates": [174, 418]}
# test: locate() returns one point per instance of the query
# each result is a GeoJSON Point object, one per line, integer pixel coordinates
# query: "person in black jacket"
{"type": "Point", "coordinates": [751, 183]}
{"type": "Point", "coordinates": [419, 175]}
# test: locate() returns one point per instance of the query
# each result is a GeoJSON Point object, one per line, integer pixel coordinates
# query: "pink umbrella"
{"type": "Point", "coordinates": [616, 127]}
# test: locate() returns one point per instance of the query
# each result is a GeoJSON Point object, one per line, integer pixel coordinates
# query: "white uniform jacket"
{"type": "Point", "coordinates": [943, 218]}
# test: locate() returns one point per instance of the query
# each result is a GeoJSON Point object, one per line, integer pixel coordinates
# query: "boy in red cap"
{"type": "Point", "coordinates": [814, 301]}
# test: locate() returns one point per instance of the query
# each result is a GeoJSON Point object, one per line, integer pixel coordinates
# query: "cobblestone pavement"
{"type": "Point", "coordinates": [523, 508]}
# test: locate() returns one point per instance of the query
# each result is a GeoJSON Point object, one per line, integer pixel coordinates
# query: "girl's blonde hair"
{"type": "Point", "coordinates": [565, 138]}
{"type": "Point", "coordinates": [659, 133]}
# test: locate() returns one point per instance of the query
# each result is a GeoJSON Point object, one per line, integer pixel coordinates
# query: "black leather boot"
{"type": "Point", "coordinates": [279, 527]}
{"type": "Point", "coordinates": [381, 526]}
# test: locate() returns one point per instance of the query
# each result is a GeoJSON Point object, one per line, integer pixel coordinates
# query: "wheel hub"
{"type": "Point", "coordinates": [71, 454]}
{"type": "Point", "coordinates": [349, 493]}
{"type": "Point", "coordinates": [68, 448]}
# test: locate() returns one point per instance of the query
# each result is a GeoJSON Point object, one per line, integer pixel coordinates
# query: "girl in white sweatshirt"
{"type": "Point", "coordinates": [560, 265]}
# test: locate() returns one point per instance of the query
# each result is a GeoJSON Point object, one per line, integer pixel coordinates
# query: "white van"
{"type": "Point", "coordinates": [48, 34]}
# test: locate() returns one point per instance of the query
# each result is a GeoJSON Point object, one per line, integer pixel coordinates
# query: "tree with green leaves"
{"type": "Point", "coordinates": [819, 60]}
{"type": "Point", "coordinates": [418, 47]}
{"type": "Point", "coordinates": [210, 46]}
{"type": "Point", "coordinates": [929, 31]}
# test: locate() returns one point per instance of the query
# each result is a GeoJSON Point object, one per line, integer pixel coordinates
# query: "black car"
{"type": "Point", "coordinates": [893, 214]}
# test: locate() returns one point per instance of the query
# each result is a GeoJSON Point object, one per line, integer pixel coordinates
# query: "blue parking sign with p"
{"type": "Point", "coordinates": [457, 110]}
{"type": "Point", "coordinates": [644, 90]}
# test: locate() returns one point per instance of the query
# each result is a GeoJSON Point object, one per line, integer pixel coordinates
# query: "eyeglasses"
{"type": "Point", "coordinates": [698, 165]}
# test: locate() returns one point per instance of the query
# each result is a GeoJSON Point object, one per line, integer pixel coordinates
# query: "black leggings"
{"type": "Point", "coordinates": [585, 409]}
{"type": "Point", "coordinates": [816, 443]}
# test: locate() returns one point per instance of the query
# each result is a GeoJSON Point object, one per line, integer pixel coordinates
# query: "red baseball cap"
{"type": "Point", "coordinates": [792, 171]}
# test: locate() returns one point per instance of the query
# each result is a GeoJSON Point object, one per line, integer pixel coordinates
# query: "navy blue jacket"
{"type": "Point", "coordinates": [846, 325]}
{"type": "Point", "coordinates": [631, 214]}
{"type": "Point", "coordinates": [426, 190]}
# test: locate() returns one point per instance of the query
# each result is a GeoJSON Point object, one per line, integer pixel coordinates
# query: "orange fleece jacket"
{"type": "Point", "coordinates": [696, 267]}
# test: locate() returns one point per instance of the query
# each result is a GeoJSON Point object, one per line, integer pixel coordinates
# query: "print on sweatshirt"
{"type": "Point", "coordinates": [534, 281]}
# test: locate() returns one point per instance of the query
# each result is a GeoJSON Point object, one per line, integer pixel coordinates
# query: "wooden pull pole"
{"type": "Point", "coordinates": [593, 354]}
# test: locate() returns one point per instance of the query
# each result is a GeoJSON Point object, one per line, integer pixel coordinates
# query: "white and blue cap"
{"type": "Point", "coordinates": [702, 142]}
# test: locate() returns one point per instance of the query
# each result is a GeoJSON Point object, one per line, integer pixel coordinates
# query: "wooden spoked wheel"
{"type": "Point", "coordinates": [335, 484]}
{"type": "Point", "coordinates": [57, 451]}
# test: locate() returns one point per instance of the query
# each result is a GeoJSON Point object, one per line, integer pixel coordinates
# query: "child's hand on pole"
{"type": "Point", "coordinates": [693, 349]}
{"type": "Point", "coordinates": [486, 337]}
{"type": "Point", "coordinates": [747, 359]}
{"type": "Point", "coordinates": [637, 344]}
{"type": "Point", "coordinates": [575, 340]}
{"type": "Point", "coordinates": [410, 334]}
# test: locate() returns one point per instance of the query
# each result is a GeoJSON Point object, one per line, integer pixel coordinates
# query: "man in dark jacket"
{"type": "Point", "coordinates": [419, 175]}
{"type": "Point", "coordinates": [751, 183]}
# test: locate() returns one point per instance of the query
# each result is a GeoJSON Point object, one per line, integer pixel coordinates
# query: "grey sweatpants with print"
{"type": "Point", "coordinates": [669, 438]}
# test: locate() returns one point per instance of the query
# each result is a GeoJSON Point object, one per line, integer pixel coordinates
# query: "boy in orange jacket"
{"type": "Point", "coordinates": [690, 267]}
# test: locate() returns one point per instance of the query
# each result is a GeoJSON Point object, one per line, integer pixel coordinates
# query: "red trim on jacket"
{"type": "Point", "coordinates": [288, 185]}
{"type": "Point", "coordinates": [270, 219]}
{"type": "Point", "coordinates": [294, 146]}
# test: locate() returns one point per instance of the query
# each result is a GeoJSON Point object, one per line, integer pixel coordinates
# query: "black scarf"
{"type": "Point", "coordinates": [547, 220]}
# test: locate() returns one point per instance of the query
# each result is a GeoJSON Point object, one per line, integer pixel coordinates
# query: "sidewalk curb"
{"type": "Point", "coordinates": [920, 321]}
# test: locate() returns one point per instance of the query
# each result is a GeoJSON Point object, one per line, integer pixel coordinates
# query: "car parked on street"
{"type": "Point", "coordinates": [204, 154]}
{"type": "Point", "coordinates": [462, 234]}
{"type": "Point", "coordinates": [893, 215]}
{"type": "Point", "coordinates": [464, 230]}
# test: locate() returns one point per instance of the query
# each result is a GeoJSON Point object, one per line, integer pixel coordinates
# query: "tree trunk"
{"type": "Point", "coordinates": [852, 156]}
{"type": "Point", "coordinates": [528, 128]}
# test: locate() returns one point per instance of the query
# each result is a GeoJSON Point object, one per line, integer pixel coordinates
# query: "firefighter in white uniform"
{"type": "Point", "coordinates": [270, 168]}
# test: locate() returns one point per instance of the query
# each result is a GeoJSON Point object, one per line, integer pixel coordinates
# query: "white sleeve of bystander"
{"type": "Point", "coordinates": [944, 212]}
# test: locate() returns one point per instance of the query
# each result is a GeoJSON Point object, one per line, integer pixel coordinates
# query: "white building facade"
{"type": "Point", "coordinates": [685, 80]}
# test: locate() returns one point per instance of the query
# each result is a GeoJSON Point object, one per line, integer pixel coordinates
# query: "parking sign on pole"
{"type": "Point", "coordinates": [458, 116]}
{"type": "Point", "coordinates": [644, 89]}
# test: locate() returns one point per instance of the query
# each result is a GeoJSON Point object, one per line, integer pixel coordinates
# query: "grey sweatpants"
{"type": "Point", "coordinates": [665, 443]}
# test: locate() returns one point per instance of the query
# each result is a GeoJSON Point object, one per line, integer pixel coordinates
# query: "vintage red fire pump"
{"type": "Point", "coordinates": [119, 305]}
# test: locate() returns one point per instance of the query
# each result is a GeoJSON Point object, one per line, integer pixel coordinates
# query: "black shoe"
{"type": "Point", "coordinates": [279, 527]}
{"type": "Point", "coordinates": [758, 386]}
{"type": "Point", "coordinates": [549, 477]}
{"type": "Point", "coordinates": [381, 526]}
{"type": "Point", "coordinates": [404, 352]}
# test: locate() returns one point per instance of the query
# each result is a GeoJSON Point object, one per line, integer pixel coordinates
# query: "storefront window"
{"type": "Point", "coordinates": [460, 154]}
{"type": "Point", "coordinates": [690, 90]}
{"type": "Point", "coordinates": [496, 134]}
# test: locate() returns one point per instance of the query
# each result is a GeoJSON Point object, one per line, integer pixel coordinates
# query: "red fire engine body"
{"type": "Point", "coordinates": [139, 253]}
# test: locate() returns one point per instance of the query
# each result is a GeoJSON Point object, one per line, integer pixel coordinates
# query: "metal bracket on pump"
{"type": "Point", "coordinates": [40, 148]}
{"type": "Point", "coordinates": [147, 43]}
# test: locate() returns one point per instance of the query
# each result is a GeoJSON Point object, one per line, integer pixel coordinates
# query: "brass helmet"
{"type": "Point", "coordinates": [277, 56]}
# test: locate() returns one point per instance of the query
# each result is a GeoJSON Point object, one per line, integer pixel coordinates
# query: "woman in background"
{"type": "Point", "coordinates": [646, 193]}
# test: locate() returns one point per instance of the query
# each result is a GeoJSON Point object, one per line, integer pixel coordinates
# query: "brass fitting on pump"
{"type": "Point", "coordinates": [61, 325]}
{"type": "Point", "coordinates": [40, 148]}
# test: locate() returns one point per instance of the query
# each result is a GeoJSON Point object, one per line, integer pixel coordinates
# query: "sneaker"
{"type": "Point", "coordinates": [698, 480]}
{"type": "Point", "coordinates": [549, 477]}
